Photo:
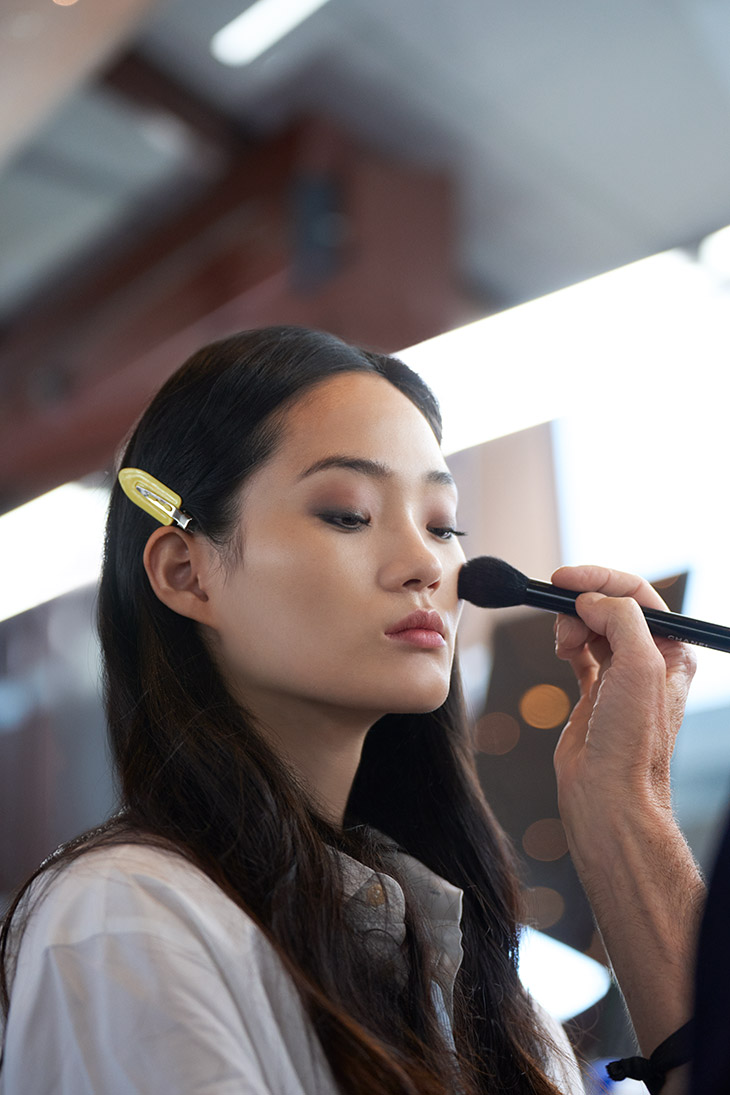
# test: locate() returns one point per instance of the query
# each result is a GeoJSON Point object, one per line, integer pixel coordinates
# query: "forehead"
{"type": "Point", "coordinates": [362, 414]}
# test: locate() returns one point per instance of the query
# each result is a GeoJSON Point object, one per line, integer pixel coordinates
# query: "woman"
{"type": "Point", "coordinates": [277, 906]}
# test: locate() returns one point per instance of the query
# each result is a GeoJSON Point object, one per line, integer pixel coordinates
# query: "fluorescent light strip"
{"type": "Point", "coordinates": [51, 546]}
{"type": "Point", "coordinates": [585, 349]}
{"type": "Point", "coordinates": [574, 351]}
{"type": "Point", "coordinates": [257, 29]}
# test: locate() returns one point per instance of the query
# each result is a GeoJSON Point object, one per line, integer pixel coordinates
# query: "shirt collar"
{"type": "Point", "coordinates": [376, 905]}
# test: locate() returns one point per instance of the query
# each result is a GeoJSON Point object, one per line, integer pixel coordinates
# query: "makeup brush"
{"type": "Point", "coordinates": [492, 583]}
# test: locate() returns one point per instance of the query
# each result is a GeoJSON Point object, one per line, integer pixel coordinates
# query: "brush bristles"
{"type": "Point", "coordinates": [491, 583]}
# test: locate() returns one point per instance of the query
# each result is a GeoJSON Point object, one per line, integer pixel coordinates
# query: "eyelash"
{"type": "Point", "coordinates": [445, 532]}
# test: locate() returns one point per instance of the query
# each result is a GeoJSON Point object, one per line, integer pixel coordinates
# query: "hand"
{"type": "Point", "coordinates": [612, 766]}
{"type": "Point", "coordinates": [619, 739]}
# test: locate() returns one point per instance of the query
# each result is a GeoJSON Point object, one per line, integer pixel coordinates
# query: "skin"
{"type": "Point", "coordinates": [612, 766]}
{"type": "Point", "coordinates": [298, 626]}
{"type": "Point", "coordinates": [328, 562]}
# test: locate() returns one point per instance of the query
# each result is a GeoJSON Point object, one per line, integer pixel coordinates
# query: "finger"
{"type": "Point", "coordinates": [612, 583]}
{"type": "Point", "coordinates": [621, 621]}
{"type": "Point", "coordinates": [642, 692]}
{"type": "Point", "coordinates": [571, 635]}
{"type": "Point", "coordinates": [586, 668]}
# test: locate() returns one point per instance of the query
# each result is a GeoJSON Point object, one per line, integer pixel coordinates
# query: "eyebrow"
{"type": "Point", "coordinates": [373, 468]}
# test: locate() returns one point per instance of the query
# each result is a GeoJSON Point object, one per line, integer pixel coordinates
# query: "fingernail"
{"type": "Point", "coordinates": [560, 631]}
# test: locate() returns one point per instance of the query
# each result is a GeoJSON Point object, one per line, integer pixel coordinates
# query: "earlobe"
{"type": "Point", "coordinates": [178, 567]}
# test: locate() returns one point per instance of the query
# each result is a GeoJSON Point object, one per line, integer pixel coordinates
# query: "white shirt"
{"type": "Point", "coordinates": [137, 975]}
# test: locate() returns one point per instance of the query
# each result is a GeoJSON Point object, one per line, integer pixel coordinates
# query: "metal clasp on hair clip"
{"type": "Point", "coordinates": [153, 497]}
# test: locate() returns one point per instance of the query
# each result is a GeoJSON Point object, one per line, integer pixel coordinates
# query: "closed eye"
{"type": "Point", "coordinates": [348, 522]}
{"type": "Point", "coordinates": [446, 532]}
{"type": "Point", "coordinates": [354, 522]}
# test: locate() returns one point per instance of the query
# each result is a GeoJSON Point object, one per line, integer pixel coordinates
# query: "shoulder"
{"type": "Point", "coordinates": [130, 954]}
{"type": "Point", "coordinates": [132, 889]}
{"type": "Point", "coordinates": [140, 922]}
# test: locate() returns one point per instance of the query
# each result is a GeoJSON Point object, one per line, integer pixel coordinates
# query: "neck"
{"type": "Point", "coordinates": [323, 748]}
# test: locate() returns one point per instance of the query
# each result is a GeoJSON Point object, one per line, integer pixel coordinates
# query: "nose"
{"type": "Point", "coordinates": [412, 563]}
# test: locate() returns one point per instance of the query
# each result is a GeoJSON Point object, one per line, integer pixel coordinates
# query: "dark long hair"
{"type": "Point", "coordinates": [196, 776]}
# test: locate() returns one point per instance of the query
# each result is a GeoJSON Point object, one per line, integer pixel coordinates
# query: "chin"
{"type": "Point", "coordinates": [419, 704]}
{"type": "Point", "coordinates": [403, 697]}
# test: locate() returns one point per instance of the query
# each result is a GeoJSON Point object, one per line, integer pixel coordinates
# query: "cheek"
{"type": "Point", "coordinates": [283, 602]}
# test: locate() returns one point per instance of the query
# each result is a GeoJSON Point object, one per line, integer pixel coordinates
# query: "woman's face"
{"type": "Point", "coordinates": [344, 533]}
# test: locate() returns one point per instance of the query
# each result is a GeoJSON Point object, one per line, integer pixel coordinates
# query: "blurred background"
{"type": "Point", "coordinates": [525, 199]}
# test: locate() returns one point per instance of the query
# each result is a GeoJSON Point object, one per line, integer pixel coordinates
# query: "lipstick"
{"type": "Point", "coordinates": [420, 629]}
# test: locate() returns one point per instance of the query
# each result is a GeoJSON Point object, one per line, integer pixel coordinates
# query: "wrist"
{"type": "Point", "coordinates": [647, 896]}
{"type": "Point", "coordinates": [603, 806]}
{"type": "Point", "coordinates": [630, 848]}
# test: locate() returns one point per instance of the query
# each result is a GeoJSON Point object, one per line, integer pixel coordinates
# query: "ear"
{"type": "Point", "coordinates": [180, 566]}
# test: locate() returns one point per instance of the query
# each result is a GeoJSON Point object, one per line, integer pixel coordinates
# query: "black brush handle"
{"type": "Point", "coordinates": [667, 625]}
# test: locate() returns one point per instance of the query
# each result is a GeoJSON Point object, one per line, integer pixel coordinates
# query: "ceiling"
{"type": "Point", "coordinates": [580, 135]}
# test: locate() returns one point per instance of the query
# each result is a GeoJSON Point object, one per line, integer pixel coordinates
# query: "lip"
{"type": "Point", "coordinates": [419, 626]}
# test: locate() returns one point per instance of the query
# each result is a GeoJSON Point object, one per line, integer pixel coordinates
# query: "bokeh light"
{"type": "Point", "coordinates": [545, 839]}
{"type": "Point", "coordinates": [496, 733]}
{"type": "Point", "coordinates": [544, 906]}
{"type": "Point", "coordinates": [545, 706]}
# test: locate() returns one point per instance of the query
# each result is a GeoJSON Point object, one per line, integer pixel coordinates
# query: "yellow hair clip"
{"type": "Point", "coordinates": [153, 497]}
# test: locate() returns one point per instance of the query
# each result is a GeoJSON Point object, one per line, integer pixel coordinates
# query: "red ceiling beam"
{"type": "Point", "coordinates": [310, 228]}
